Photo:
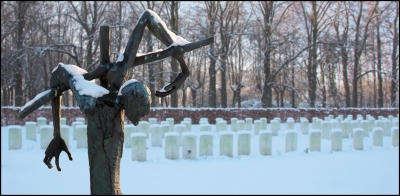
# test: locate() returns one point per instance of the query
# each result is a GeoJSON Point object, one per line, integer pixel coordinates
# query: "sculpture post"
{"type": "Point", "coordinates": [105, 142]}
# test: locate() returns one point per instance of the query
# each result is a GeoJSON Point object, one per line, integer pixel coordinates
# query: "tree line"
{"type": "Point", "coordinates": [267, 54]}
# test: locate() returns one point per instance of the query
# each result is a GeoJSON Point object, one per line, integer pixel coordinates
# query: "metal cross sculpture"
{"type": "Point", "coordinates": [106, 105]}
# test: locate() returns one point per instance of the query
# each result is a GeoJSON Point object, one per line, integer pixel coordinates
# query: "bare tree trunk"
{"type": "Point", "coordinates": [174, 21]}
{"type": "Point", "coordinates": [312, 63]}
{"type": "Point", "coordinates": [394, 57]}
{"type": "Point", "coordinates": [379, 61]}
{"type": "Point", "coordinates": [224, 94]}
{"type": "Point", "coordinates": [5, 101]}
{"type": "Point", "coordinates": [11, 93]}
{"type": "Point", "coordinates": [332, 85]}
{"type": "Point", "coordinates": [184, 97]}
{"type": "Point", "coordinates": [161, 82]}
{"type": "Point", "coordinates": [342, 38]}
{"type": "Point", "coordinates": [212, 90]}
{"type": "Point", "coordinates": [20, 10]}
{"type": "Point", "coordinates": [359, 48]}
{"type": "Point", "coordinates": [266, 97]}
{"type": "Point", "coordinates": [323, 86]}
{"type": "Point", "coordinates": [228, 19]}
{"type": "Point", "coordinates": [234, 99]}
{"type": "Point", "coordinates": [238, 97]}
{"type": "Point", "coordinates": [277, 98]}
{"type": "Point", "coordinates": [292, 93]}
{"type": "Point", "coordinates": [212, 9]}
{"type": "Point", "coordinates": [346, 83]}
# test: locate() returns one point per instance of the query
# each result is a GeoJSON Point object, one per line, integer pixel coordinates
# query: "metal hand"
{"type": "Point", "coordinates": [56, 146]}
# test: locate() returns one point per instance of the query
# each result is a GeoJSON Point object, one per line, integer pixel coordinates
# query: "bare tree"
{"type": "Point", "coordinates": [395, 58]}
{"type": "Point", "coordinates": [173, 16]}
{"type": "Point", "coordinates": [229, 18]}
{"type": "Point", "coordinates": [360, 39]}
{"type": "Point", "coordinates": [269, 23]}
{"type": "Point", "coordinates": [341, 19]}
{"type": "Point", "coordinates": [314, 23]}
{"type": "Point", "coordinates": [20, 9]}
{"type": "Point", "coordinates": [379, 56]}
{"type": "Point", "coordinates": [89, 15]}
{"type": "Point", "coordinates": [212, 9]}
{"type": "Point", "coordinates": [268, 11]}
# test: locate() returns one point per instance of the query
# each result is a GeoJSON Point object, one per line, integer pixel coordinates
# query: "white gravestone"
{"type": "Point", "coordinates": [377, 136]}
{"type": "Point", "coordinates": [156, 135]}
{"type": "Point", "coordinates": [46, 135]}
{"type": "Point", "coordinates": [81, 136]}
{"type": "Point", "coordinates": [138, 146]}
{"type": "Point", "coordinates": [226, 143]}
{"type": "Point", "coordinates": [265, 145]}
{"type": "Point", "coordinates": [171, 145]}
{"type": "Point", "coordinates": [244, 143]}
{"type": "Point", "coordinates": [315, 140]}
{"type": "Point", "coordinates": [358, 138]}
{"type": "Point", "coordinates": [15, 137]}
{"type": "Point", "coordinates": [30, 131]}
{"type": "Point", "coordinates": [206, 141]}
{"type": "Point", "coordinates": [291, 140]}
{"type": "Point", "coordinates": [189, 145]}
{"type": "Point", "coordinates": [129, 128]}
{"type": "Point", "coordinates": [336, 139]}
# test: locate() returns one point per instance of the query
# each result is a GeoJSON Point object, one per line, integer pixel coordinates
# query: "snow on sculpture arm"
{"type": "Point", "coordinates": [85, 92]}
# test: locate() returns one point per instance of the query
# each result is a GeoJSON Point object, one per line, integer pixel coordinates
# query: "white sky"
{"type": "Point", "coordinates": [374, 170]}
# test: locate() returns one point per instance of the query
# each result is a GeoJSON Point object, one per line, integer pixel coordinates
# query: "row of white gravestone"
{"type": "Point", "coordinates": [247, 124]}
{"type": "Point", "coordinates": [46, 133]}
{"type": "Point", "coordinates": [348, 126]}
{"type": "Point", "coordinates": [221, 125]}
{"type": "Point", "coordinates": [187, 141]}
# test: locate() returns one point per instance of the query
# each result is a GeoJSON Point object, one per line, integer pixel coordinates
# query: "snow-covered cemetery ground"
{"type": "Point", "coordinates": [334, 155]}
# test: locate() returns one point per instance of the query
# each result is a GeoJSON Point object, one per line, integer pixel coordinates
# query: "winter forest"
{"type": "Point", "coordinates": [292, 54]}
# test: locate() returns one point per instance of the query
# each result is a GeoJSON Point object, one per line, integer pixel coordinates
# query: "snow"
{"type": "Point", "coordinates": [83, 86]}
{"type": "Point", "coordinates": [374, 170]}
{"type": "Point", "coordinates": [38, 96]}
{"type": "Point", "coordinates": [138, 54]}
{"type": "Point", "coordinates": [140, 134]}
{"type": "Point", "coordinates": [73, 69]}
{"type": "Point", "coordinates": [125, 84]}
{"type": "Point", "coordinates": [176, 39]}
{"type": "Point", "coordinates": [120, 57]}
{"type": "Point", "coordinates": [163, 88]}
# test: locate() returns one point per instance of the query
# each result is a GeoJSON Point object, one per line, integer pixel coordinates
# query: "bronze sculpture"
{"type": "Point", "coordinates": [105, 110]}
